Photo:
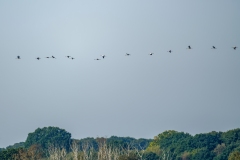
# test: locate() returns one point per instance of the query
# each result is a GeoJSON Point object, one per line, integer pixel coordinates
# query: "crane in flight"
{"type": "Point", "coordinates": [127, 54]}
{"type": "Point", "coordinates": [68, 56]}
{"type": "Point", "coordinates": [97, 59]}
{"type": "Point", "coordinates": [151, 54]}
{"type": "Point", "coordinates": [234, 47]}
{"type": "Point", "coordinates": [170, 51]}
{"type": "Point", "coordinates": [18, 57]}
{"type": "Point", "coordinates": [103, 56]}
{"type": "Point", "coordinates": [189, 47]}
{"type": "Point", "coordinates": [213, 47]}
{"type": "Point", "coordinates": [38, 58]}
{"type": "Point", "coordinates": [53, 57]}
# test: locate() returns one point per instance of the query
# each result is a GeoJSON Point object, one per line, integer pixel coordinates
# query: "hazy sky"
{"type": "Point", "coordinates": [140, 95]}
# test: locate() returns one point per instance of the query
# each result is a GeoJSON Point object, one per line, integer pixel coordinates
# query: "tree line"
{"type": "Point", "coordinates": [53, 143]}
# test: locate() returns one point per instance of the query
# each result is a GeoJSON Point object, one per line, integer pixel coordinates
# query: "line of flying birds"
{"type": "Point", "coordinates": [127, 54]}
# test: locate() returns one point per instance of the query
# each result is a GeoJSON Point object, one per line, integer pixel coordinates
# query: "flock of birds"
{"type": "Point", "coordinates": [127, 54]}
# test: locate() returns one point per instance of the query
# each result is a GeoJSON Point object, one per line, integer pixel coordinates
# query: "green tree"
{"type": "Point", "coordinates": [16, 145]}
{"type": "Point", "coordinates": [202, 153]}
{"type": "Point", "coordinates": [8, 154]}
{"type": "Point", "coordinates": [170, 144]}
{"type": "Point", "coordinates": [150, 156]}
{"type": "Point", "coordinates": [124, 142]}
{"type": "Point", "coordinates": [2, 149]}
{"type": "Point", "coordinates": [157, 139]}
{"type": "Point", "coordinates": [131, 156]}
{"type": "Point", "coordinates": [208, 140]}
{"type": "Point", "coordinates": [231, 136]}
{"type": "Point", "coordinates": [90, 141]}
{"type": "Point", "coordinates": [49, 135]}
{"type": "Point", "coordinates": [235, 155]}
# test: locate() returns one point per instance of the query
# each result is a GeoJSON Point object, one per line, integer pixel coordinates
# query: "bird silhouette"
{"type": "Point", "coordinates": [68, 56]}
{"type": "Point", "coordinates": [18, 57]}
{"type": "Point", "coordinates": [127, 54]}
{"type": "Point", "coordinates": [189, 47]}
{"type": "Point", "coordinates": [97, 59]}
{"type": "Point", "coordinates": [151, 54]}
{"type": "Point", "coordinates": [103, 56]}
{"type": "Point", "coordinates": [170, 51]}
{"type": "Point", "coordinates": [213, 47]}
{"type": "Point", "coordinates": [234, 47]}
{"type": "Point", "coordinates": [72, 58]}
{"type": "Point", "coordinates": [38, 58]}
{"type": "Point", "coordinates": [53, 57]}
{"type": "Point", "coordinates": [47, 57]}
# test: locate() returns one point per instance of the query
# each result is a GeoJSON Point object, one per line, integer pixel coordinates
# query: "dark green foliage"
{"type": "Point", "coordinates": [142, 143]}
{"type": "Point", "coordinates": [16, 145]}
{"type": "Point", "coordinates": [202, 153]}
{"type": "Point", "coordinates": [167, 145]}
{"type": "Point", "coordinates": [207, 146]}
{"type": "Point", "coordinates": [128, 157]}
{"type": "Point", "coordinates": [209, 140]}
{"type": "Point", "coordinates": [114, 141]}
{"type": "Point", "coordinates": [126, 142]}
{"type": "Point", "coordinates": [150, 156]}
{"type": "Point", "coordinates": [49, 135]}
{"type": "Point", "coordinates": [8, 154]}
{"type": "Point", "coordinates": [119, 141]}
{"type": "Point", "coordinates": [224, 155]}
{"type": "Point", "coordinates": [177, 141]}
{"type": "Point", "coordinates": [231, 136]}
{"type": "Point", "coordinates": [173, 143]}
{"type": "Point", "coordinates": [90, 141]}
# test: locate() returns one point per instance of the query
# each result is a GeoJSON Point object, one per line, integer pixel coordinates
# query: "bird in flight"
{"type": "Point", "coordinates": [127, 54]}
{"type": "Point", "coordinates": [72, 58]}
{"type": "Point", "coordinates": [103, 56]}
{"type": "Point", "coordinates": [47, 57]}
{"type": "Point", "coordinates": [18, 57]}
{"type": "Point", "coordinates": [38, 58]}
{"type": "Point", "coordinates": [151, 54]}
{"type": "Point", "coordinates": [234, 47]}
{"type": "Point", "coordinates": [213, 47]}
{"type": "Point", "coordinates": [53, 57]}
{"type": "Point", "coordinates": [97, 59]}
{"type": "Point", "coordinates": [170, 51]}
{"type": "Point", "coordinates": [68, 56]}
{"type": "Point", "coordinates": [189, 47]}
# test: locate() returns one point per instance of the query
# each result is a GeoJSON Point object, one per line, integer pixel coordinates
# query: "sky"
{"type": "Point", "coordinates": [194, 91]}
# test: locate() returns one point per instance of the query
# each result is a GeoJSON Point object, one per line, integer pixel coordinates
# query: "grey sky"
{"type": "Point", "coordinates": [193, 91]}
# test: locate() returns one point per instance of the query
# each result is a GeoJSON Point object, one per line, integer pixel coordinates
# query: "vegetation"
{"type": "Point", "coordinates": [16, 145]}
{"type": "Point", "coordinates": [53, 143]}
{"type": "Point", "coordinates": [49, 136]}
{"type": "Point", "coordinates": [208, 146]}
